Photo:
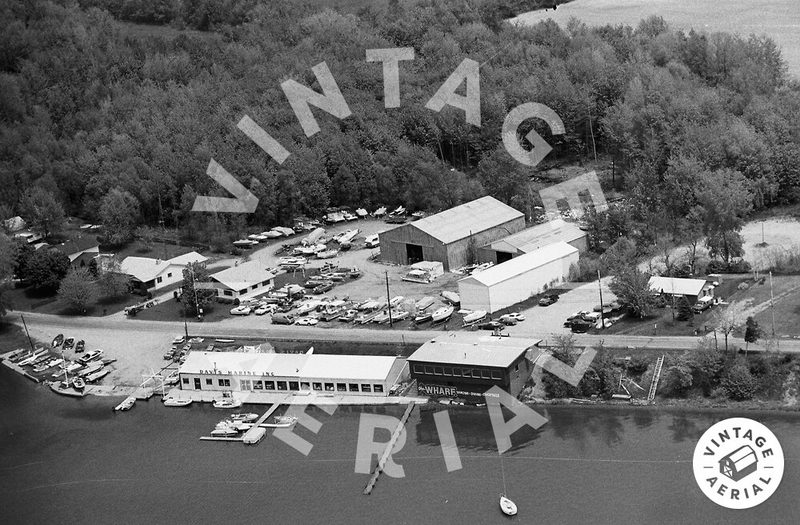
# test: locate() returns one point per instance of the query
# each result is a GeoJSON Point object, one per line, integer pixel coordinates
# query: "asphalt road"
{"type": "Point", "coordinates": [127, 331]}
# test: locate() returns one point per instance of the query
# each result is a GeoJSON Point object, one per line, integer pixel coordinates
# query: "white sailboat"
{"type": "Point", "coordinates": [508, 507]}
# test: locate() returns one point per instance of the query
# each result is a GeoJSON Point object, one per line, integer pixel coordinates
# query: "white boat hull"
{"type": "Point", "coordinates": [508, 507]}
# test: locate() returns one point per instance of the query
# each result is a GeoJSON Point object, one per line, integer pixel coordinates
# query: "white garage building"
{"type": "Point", "coordinates": [516, 280]}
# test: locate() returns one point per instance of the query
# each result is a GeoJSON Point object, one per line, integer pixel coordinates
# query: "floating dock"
{"type": "Point", "coordinates": [254, 434]}
{"type": "Point", "coordinates": [388, 451]}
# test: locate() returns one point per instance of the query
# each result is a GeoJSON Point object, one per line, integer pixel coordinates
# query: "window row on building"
{"type": "Point", "coordinates": [475, 373]}
{"type": "Point", "coordinates": [289, 386]}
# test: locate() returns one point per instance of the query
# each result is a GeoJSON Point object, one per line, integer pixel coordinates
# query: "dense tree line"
{"type": "Point", "coordinates": [119, 127]}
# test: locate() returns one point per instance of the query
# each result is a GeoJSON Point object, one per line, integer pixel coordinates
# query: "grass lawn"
{"type": "Point", "coordinates": [28, 300]}
{"type": "Point", "coordinates": [660, 323]}
{"type": "Point", "coordinates": [13, 336]}
{"type": "Point", "coordinates": [172, 310]}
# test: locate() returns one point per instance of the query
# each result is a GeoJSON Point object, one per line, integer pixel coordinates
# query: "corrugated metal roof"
{"type": "Point", "coordinates": [469, 218]}
{"type": "Point", "coordinates": [523, 263]}
{"type": "Point", "coordinates": [319, 366]}
{"type": "Point", "coordinates": [676, 285]}
{"type": "Point", "coordinates": [539, 236]}
{"type": "Point", "coordinates": [243, 276]}
{"type": "Point", "coordinates": [468, 349]}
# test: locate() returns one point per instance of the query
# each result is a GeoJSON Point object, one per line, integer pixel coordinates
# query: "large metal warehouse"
{"type": "Point", "coordinates": [516, 280]}
{"type": "Point", "coordinates": [446, 236]}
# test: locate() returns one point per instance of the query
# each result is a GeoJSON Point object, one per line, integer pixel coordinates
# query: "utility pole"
{"type": "Point", "coordinates": [613, 182]}
{"type": "Point", "coordinates": [591, 130]}
{"type": "Point", "coordinates": [602, 314]}
{"type": "Point", "coordinates": [31, 342]}
{"type": "Point", "coordinates": [388, 299]}
{"type": "Point", "coordinates": [772, 307]}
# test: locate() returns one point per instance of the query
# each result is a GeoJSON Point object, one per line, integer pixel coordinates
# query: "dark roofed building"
{"type": "Point", "coordinates": [80, 251]}
{"type": "Point", "coordinates": [446, 236]}
{"type": "Point", "coordinates": [465, 366]}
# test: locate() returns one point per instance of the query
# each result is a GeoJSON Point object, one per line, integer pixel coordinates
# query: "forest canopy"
{"type": "Point", "coordinates": [93, 107]}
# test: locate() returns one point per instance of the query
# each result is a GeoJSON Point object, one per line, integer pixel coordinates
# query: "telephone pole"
{"type": "Point", "coordinates": [602, 313]}
{"type": "Point", "coordinates": [388, 299]}
{"type": "Point", "coordinates": [772, 307]}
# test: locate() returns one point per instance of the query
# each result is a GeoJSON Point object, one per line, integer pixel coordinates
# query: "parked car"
{"type": "Point", "coordinates": [169, 355]}
{"type": "Point", "coordinates": [178, 340]}
{"type": "Point", "coordinates": [265, 309]}
{"type": "Point", "coordinates": [241, 310]}
{"type": "Point", "coordinates": [492, 325]}
{"type": "Point", "coordinates": [282, 318]}
{"type": "Point", "coordinates": [547, 300]}
{"type": "Point", "coordinates": [512, 318]}
{"type": "Point", "coordinates": [580, 326]}
{"type": "Point", "coordinates": [307, 321]}
{"type": "Point", "coordinates": [701, 307]}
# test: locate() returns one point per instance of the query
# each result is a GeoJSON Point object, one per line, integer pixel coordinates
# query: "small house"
{"type": "Point", "coordinates": [80, 251]}
{"type": "Point", "coordinates": [149, 274]}
{"type": "Point", "coordinates": [695, 290]}
{"type": "Point", "coordinates": [246, 280]}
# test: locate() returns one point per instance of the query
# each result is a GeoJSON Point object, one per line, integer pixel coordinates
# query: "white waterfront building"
{"type": "Point", "coordinates": [271, 372]}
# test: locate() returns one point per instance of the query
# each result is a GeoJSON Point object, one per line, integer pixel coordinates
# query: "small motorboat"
{"type": "Point", "coordinates": [92, 368]}
{"type": "Point", "coordinates": [246, 417]}
{"type": "Point", "coordinates": [424, 303]}
{"type": "Point", "coordinates": [423, 318]}
{"type": "Point", "coordinates": [451, 297]}
{"type": "Point", "coordinates": [508, 507]}
{"type": "Point", "coordinates": [126, 404]}
{"type": "Point", "coordinates": [57, 340]}
{"type": "Point", "coordinates": [96, 376]}
{"type": "Point", "coordinates": [442, 314]}
{"type": "Point", "coordinates": [474, 317]}
{"type": "Point", "coordinates": [280, 422]}
{"type": "Point", "coordinates": [227, 402]}
{"type": "Point", "coordinates": [78, 383]}
{"type": "Point", "coordinates": [224, 431]}
{"type": "Point", "coordinates": [175, 402]}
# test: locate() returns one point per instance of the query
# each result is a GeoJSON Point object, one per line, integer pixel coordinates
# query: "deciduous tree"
{"type": "Point", "coordinates": [46, 268]}
{"type": "Point", "coordinates": [42, 211]}
{"type": "Point", "coordinates": [77, 289]}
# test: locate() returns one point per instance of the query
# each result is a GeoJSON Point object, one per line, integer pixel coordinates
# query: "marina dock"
{"type": "Point", "coordinates": [257, 433]}
{"type": "Point", "coordinates": [388, 451]}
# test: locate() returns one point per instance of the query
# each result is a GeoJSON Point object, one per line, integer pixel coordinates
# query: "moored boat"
{"type": "Point", "coordinates": [78, 383]}
{"type": "Point", "coordinates": [65, 390]}
{"type": "Point", "coordinates": [126, 404]}
{"type": "Point", "coordinates": [508, 507]}
{"type": "Point", "coordinates": [224, 431]}
{"type": "Point", "coordinates": [247, 417]}
{"type": "Point", "coordinates": [96, 376]}
{"type": "Point", "coordinates": [280, 422]}
{"type": "Point", "coordinates": [175, 402]}
{"type": "Point", "coordinates": [227, 402]}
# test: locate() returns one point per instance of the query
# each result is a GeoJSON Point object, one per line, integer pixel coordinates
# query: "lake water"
{"type": "Point", "coordinates": [779, 19]}
{"type": "Point", "coordinates": [76, 461]}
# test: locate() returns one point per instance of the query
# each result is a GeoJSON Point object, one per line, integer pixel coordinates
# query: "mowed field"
{"type": "Point", "coordinates": [779, 19]}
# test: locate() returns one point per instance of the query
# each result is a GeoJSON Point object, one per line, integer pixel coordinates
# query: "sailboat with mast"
{"type": "Point", "coordinates": [508, 507]}
{"type": "Point", "coordinates": [65, 387]}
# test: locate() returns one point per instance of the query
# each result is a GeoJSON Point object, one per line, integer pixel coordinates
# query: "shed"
{"type": "Point", "coordinates": [695, 290]}
{"type": "Point", "coordinates": [449, 236]}
{"type": "Point", "coordinates": [516, 280]}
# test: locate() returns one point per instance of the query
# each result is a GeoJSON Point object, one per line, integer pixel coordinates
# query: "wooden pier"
{"type": "Point", "coordinates": [388, 451]}
{"type": "Point", "coordinates": [257, 433]}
